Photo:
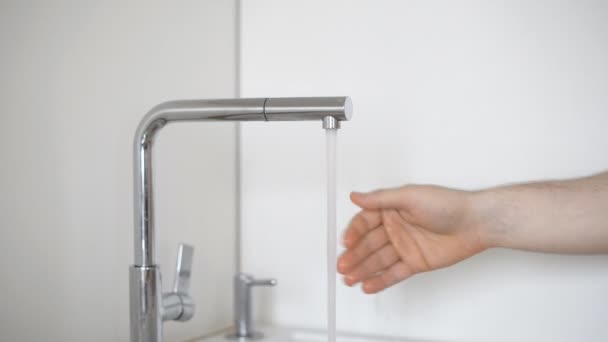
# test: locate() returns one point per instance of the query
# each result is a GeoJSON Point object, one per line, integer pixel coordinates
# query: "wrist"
{"type": "Point", "coordinates": [481, 213]}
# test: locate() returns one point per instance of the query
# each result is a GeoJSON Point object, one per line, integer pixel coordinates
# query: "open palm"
{"type": "Point", "coordinates": [404, 231]}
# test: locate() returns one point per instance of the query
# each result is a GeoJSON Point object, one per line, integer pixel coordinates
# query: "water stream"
{"type": "Point", "coordinates": [331, 233]}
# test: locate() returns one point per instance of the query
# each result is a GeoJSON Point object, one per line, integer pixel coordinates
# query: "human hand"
{"type": "Point", "coordinates": [407, 230]}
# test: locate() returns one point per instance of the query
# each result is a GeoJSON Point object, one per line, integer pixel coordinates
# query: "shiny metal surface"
{"type": "Point", "coordinates": [269, 109]}
{"type": "Point", "coordinates": [243, 322]}
{"type": "Point", "coordinates": [145, 302]}
{"type": "Point", "coordinates": [308, 108]}
{"type": "Point", "coordinates": [178, 305]}
{"type": "Point", "coordinates": [147, 310]}
{"type": "Point", "coordinates": [172, 306]}
{"type": "Point", "coordinates": [183, 269]}
{"type": "Point", "coordinates": [158, 117]}
{"type": "Point", "coordinates": [329, 122]}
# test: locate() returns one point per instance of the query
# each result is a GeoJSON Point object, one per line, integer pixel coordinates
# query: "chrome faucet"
{"type": "Point", "coordinates": [243, 323]}
{"type": "Point", "coordinates": [149, 306]}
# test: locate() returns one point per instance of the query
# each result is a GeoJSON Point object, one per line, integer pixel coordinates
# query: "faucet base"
{"type": "Point", "coordinates": [251, 337]}
{"type": "Point", "coordinates": [146, 304]}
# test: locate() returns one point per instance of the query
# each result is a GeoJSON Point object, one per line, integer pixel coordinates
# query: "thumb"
{"type": "Point", "coordinates": [379, 199]}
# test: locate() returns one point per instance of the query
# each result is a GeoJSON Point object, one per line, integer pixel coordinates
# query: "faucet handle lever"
{"type": "Point", "coordinates": [263, 282]}
{"type": "Point", "coordinates": [243, 280]}
{"type": "Point", "coordinates": [177, 305]}
{"type": "Point", "coordinates": [183, 269]}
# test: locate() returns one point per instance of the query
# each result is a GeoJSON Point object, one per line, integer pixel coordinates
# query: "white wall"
{"type": "Point", "coordinates": [465, 94]}
{"type": "Point", "coordinates": [77, 76]}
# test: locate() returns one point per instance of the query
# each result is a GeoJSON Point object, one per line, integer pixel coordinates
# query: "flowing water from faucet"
{"type": "Point", "coordinates": [331, 233]}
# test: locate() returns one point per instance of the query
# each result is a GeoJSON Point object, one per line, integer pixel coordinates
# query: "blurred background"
{"type": "Point", "coordinates": [466, 94]}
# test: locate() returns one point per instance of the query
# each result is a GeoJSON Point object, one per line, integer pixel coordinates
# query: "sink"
{"type": "Point", "coordinates": [287, 334]}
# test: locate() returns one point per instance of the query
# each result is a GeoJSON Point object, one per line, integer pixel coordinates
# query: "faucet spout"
{"type": "Point", "coordinates": [146, 295]}
{"type": "Point", "coordinates": [256, 109]}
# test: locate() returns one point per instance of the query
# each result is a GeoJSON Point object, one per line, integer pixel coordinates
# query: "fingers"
{"type": "Point", "coordinates": [370, 257]}
{"type": "Point", "coordinates": [379, 199]}
{"type": "Point", "coordinates": [378, 261]}
{"type": "Point", "coordinates": [393, 275]}
{"type": "Point", "coordinates": [360, 225]}
{"type": "Point", "coordinates": [367, 245]}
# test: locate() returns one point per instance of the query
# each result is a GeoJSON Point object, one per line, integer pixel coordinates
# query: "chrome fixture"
{"type": "Point", "coordinates": [149, 306]}
{"type": "Point", "coordinates": [329, 122]}
{"type": "Point", "coordinates": [243, 323]}
{"type": "Point", "coordinates": [177, 304]}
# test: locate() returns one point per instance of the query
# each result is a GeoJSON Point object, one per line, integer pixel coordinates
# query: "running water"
{"type": "Point", "coordinates": [331, 233]}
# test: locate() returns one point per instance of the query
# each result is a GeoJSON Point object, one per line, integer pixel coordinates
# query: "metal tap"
{"type": "Point", "coordinates": [243, 322]}
{"type": "Point", "coordinates": [149, 306]}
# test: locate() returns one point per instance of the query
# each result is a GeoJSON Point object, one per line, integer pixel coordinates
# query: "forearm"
{"type": "Point", "coordinates": [568, 216]}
